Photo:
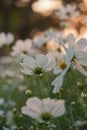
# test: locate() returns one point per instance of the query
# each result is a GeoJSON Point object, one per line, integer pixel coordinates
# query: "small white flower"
{"type": "Point", "coordinates": [50, 34]}
{"type": "Point", "coordinates": [39, 41]}
{"type": "Point", "coordinates": [58, 56]}
{"type": "Point", "coordinates": [78, 51]}
{"type": "Point", "coordinates": [6, 39]}
{"type": "Point", "coordinates": [67, 11]}
{"type": "Point", "coordinates": [37, 66]}
{"type": "Point", "coordinates": [43, 110]}
{"type": "Point", "coordinates": [23, 47]}
{"type": "Point", "coordinates": [61, 69]}
{"type": "Point", "coordinates": [43, 38]}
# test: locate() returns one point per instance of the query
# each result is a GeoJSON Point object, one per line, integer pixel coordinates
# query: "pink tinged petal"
{"type": "Point", "coordinates": [29, 62]}
{"type": "Point", "coordinates": [34, 104]}
{"type": "Point", "coordinates": [59, 108]}
{"type": "Point", "coordinates": [29, 42]}
{"type": "Point", "coordinates": [41, 60]}
{"type": "Point", "coordinates": [31, 113]}
{"type": "Point", "coordinates": [80, 69]}
{"type": "Point", "coordinates": [48, 105]}
{"type": "Point", "coordinates": [81, 44]}
{"type": "Point", "coordinates": [58, 82]}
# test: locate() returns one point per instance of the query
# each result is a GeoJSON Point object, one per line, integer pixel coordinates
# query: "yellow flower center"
{"type": "Point", "coordinates": [62, 65]}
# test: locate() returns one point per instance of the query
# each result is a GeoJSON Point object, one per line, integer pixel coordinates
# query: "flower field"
{"type": "Point", "coordinates": [43, 78]}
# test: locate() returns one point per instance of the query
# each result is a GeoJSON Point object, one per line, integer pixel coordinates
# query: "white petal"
{"type": "Point", "coordinates": [9, 38]}
{"type": "Point", "coordinates": [29, 112]}
{"type": "Point", "coordinates": [41, 60]}
{"type": "Point", "coordinates": [34, 104]}
{"type": "Point", "coordinates": [57, 70]}
{"type": "Point", "coordinates": [29, 62]}
{"type": "Point", "coordinates": [69, 55]}
{"type": "Point", "coordinates": [70, 39]}
{"type": "Point", "coordinates": [59, 108]}
{"type": "Point", "coordinates": [48, 105]}
{"type": "Point", "coordinates": [58, 82]}
{"type": "Point", "coordinates": [81, 69]}
{"type": "Point", "coordinates": [27, 72]}
{"type": "Point", "coordinates": [81, 44]}
{"type": "Point", "coordinates": [82, 58]}
{"type": "Point", "coordinates": [50, 65]}
{"type": "Point", "coordinates": [62, 43]}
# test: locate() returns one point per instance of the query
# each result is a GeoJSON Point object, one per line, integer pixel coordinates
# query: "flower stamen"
{"type": "Point", "coordinates": [38, 71]}
{"type": "Point", "coordinates": [62, 65]}
{"type": "Point", "coordinates": [46, 116]}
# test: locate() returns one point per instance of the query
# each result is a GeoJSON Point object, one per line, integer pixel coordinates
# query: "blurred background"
{"type": "Point", "coordinates": [25, 17]}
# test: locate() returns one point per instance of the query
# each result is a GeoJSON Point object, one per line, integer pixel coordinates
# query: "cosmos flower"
{"type": "Point", "coordinates": [43, 38]}
{"type": "Point", "coordinates": [39, 41]}
{"type": "Point", "coordinates": [6, 39]}
{"type": "Point", "coordinates": [78, 51]}
{"type": "Point", "coordinates": [67, 11]}
{"type": "Point", "coordinates": [37, 66]}
{"type": "Point", "coordinates": [61, 69]}
{"type": "Point", "coordinates": [23, 47]}
{"type": "Point", "coordinates": [43, 110]}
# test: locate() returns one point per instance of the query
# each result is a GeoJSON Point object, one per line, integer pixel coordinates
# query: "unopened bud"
{"type": "Point", "coordinates": [28, 93]}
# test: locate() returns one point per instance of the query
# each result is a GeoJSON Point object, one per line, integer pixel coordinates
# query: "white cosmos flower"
{"type": "Point", "coordinates": [39, 41]}
{"type": "Point", "coordinates": [37, 66]}
{"type": "Point", "coordinates": [6, 39]}
{"type": "Point", "coordinates": [78, 51]}
{"type": "Point", "coordinates": [61, 69]}
{"type": "Point", "coordinates": [67, 11]}
{"type": "Point", "coordinates": [43, 110]}
{"type": "Point", "coordinates": [23, 47]}
{"type": "Point", "coordinates": [43, 38]}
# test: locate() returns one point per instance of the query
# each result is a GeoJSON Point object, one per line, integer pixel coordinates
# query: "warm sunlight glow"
{"type": "Point", "coordinates": [46, 6]}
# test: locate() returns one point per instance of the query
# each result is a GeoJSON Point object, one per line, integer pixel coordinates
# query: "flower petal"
{"type": "Point", "coordinates": [81, 44]}
{"type": "Point", "coordinates": [81, 69]}
{"type": "Point", "coordinates": [59, 108]}
{"type": "Point", "coordinates": [48, 105]}
{"type": "Point", "coordinates": [82, 58]}
{"type": "Point", "coordinates": [31, 113]}
{"type": "Point", "coordinates": [29, 62]}
{"type": "Point", "coordinates": [58, 82]}
{"type": "Point", "coordinates": [70, 39]}
{"type": "Point", "coordinates": [34, 104]}
{"type": "Point", "coordinates": [69, 55]}
{"type": "Point", "coordinates": [62, 43]}
{"type": "Point", "coordinates": [57, 70]}
{"type": "Point", "coordinates": [41, 60]}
